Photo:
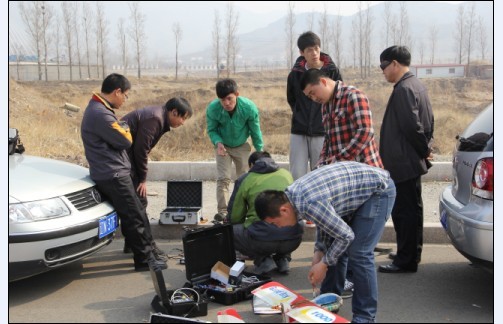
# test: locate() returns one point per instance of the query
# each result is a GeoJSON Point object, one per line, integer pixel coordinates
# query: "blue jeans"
{"type": "Point", "coordinates": [368, 225]}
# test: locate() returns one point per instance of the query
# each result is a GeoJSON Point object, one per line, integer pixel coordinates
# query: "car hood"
{"type": "Point", "coordinates": [34, 178]}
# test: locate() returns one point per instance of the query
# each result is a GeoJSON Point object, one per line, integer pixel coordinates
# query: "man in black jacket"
{"type": "Point", "coordinates": [147, 126]}
{"type": "Point", "coordinates": [307, 132]}
{"type": "Point", "coordinates": [106, 140]}
{"type": "Point", "coordinates": [405, 148]}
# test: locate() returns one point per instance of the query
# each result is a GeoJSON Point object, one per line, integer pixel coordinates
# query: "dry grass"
{"type": "Point", "coordinates": [47, 131]}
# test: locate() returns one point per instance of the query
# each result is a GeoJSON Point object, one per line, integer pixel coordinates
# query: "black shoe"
{"type": "Point", "coordinates": [392, 255]}
{"type": "Point", "coordinates": [126, 249]}
{"type": "Point", "coordinates": [159, 254]}
{"type": "Point", "coordinates": [381, 251]}
{"type": "Point", "coordinates": [391, 268]}
{"type": "Point", "coordinates": [151, 263]}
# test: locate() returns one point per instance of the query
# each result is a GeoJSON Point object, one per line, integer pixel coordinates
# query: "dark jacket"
{"type": "Point", "coordinates": [407, 130]}
{"type": "Point", "coordinates": [306, 114]}
{"type": "Point", "coordinates": [105, 141]}
{"type": "Point", "coordinates": [147, 125]}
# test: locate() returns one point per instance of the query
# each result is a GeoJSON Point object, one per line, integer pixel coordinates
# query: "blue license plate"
{"type": "Point", "coordinates": [443, 219]}
{"type": "Point", "coordinates": [107, 225]}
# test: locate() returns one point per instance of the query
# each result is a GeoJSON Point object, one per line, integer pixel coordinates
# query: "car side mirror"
{"type": "Point", "coordinates": [15, 145]}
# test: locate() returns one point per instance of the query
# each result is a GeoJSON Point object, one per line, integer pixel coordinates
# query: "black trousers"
{"type": "Point", "coordinates": [407, 216]}
{"type": "Point", "coordinates": [133, 219]}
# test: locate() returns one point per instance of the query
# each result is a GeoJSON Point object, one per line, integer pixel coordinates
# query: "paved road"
{"type": "Point", "coordinates": [104, 288]}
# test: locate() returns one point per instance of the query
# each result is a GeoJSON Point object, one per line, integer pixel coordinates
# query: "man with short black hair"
{"type": "Point", "coordinates": [405, 147]}
{"type": "Point", "coordinates": [147, 126]}
{"type": "Point", "coordinates": [106, 140]}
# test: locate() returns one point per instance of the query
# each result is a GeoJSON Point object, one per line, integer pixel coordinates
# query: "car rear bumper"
{"type": "Point", "coordinates": [470, 236]}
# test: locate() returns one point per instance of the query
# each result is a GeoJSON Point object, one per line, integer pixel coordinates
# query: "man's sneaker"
{"type": "Point", "coordinates": [159, 254]}
{"type": "Point", "coordinates": [267, 265]}
{"type": "Point", "coordinates": [219, 217]}
{"type": "Point", "coordinates": [310, 224]}
{"type": "Point", "coordinates": [348, 289]}
{"type": "Point", "coordinates": [283, 265]}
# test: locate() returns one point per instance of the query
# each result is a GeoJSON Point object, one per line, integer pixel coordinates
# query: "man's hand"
{"type": "Point", "coordinates": [221, 149]}
{"type": "Point", "coordinates": [142, 189]}
{"type": "Point", "coordinates": [317, 273]}
{"type": "Point", "coordinates": [317, 256]}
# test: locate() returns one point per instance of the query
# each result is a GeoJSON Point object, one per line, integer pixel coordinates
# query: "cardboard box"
{"type": "Point", "coordinates": [184, 203]}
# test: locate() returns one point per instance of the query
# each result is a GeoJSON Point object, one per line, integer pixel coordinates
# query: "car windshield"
{"type": "Point", "coordinates": [479, 134]}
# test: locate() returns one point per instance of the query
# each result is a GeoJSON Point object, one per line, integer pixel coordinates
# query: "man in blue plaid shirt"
{"type": "Point", "coordinates": [350, 203]}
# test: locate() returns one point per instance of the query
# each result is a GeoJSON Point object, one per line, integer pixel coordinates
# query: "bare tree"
{"type": "Point", "coordinates": [101, 36]}
{"type": "Point", "coordinates": [433, 36]}
{"type": "Point", "coordinates": [77, 27]}
{"type": "Point", "coordinates": [216, 41]}
{"type": "Point", "coordinates": [68, 21]}
{"type": "Point", "coordinates": [360, 36]}
{"type": "Point", "coordinates": [388, 23]}
{"type": "Point", "coordinates": [231, 24]}
{"type": "Point", "coordinates": [459, 33]}
{"type": "Point", "coordinates": [177, 31]}
{"type": "Point", "coordinates": [337, 37]}
{"type": "Point", "coordinates": [290, 34]}
{"type": "Point", "coordinates": [121, 33]}
{"type": "Point", "coordinates": [470, 34]}
{"type": "Point", "coordinates": [403, 31]}
{"type": "Point", "coordinates": [57, 37]}
{"type": "Point", "coordinates": [482, 37]}
{"type": "Point", "coordinates": [31, 13]}
{"type": "Point", "coordinates": [368, 38]}
{"type": "Point", "coordinates": [87, 22]}
{"type": "Point", "coordinates": [324, 29]}
{"type": "Point", "coordinates": [46, 20]}
{"type": "Point", "coordinates": [421, 53]}
{"type": "Point", "coordinates": [310, 20]}
{"type": "Point", "coordinates": [354, 41]}
{"type": "Point", "coordinates": [138, 32]}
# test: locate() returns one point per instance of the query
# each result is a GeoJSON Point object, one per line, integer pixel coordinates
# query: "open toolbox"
{"type": "Point", "coordinates": [184, 302]}
{"type": "Point", "coordinates": [184, 202]}
{"type": "Point", "coordinates": [203, 247]}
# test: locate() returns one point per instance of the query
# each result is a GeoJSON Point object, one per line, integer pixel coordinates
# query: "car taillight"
{"type": "Point", "coordinates": [483, 179]}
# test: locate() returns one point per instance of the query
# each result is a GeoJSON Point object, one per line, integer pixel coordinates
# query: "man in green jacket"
{"type": "Point", "coordinates": [230, 120]}
{"type": "Point", "coordinates": [269, 246]}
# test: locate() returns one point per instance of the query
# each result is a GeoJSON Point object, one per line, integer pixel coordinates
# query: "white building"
{"type": "Point", "coordinates": [439, 70]}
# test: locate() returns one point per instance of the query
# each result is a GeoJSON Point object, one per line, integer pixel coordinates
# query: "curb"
{"type": "Point", "coordinates": [432, 233]}
{"type": "Point", "coordinates": [159, 171]}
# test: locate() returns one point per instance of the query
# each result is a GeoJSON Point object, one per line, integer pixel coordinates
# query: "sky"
{"type": "Point", "coordinates": [346, 8]}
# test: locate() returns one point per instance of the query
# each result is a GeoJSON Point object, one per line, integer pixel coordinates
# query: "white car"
{"type": "Point", "coordinates": [56, 214]}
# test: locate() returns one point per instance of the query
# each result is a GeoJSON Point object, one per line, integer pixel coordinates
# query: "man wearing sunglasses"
{"type": "Point", "coordinates": [405, 148]}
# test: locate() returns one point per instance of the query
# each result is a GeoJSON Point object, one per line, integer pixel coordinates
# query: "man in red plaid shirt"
{"type": "Point", "coordinates": [346, 118]}
{"type": "Point", "coordinates": [349, 136]}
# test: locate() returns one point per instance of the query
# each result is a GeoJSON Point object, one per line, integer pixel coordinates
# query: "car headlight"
{"type": "Point", "coordinates": [37, 210]}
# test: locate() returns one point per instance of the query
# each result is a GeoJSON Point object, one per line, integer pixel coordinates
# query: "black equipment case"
{"type": "Point", "coordinates": [163, 303]}
{"type": "Point", "coordinates": [184, 203]}
{"type": "Point", "coordinates": [205, 246]}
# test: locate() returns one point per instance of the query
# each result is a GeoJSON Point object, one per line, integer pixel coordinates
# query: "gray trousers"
{"type": "Point", "coordinates": [304, 149]}
{"type": "Point", "coordinates": [259, 250]}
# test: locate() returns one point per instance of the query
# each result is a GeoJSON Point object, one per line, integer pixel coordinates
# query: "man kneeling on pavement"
{"type": "Point", "coordinates": [269, 246]}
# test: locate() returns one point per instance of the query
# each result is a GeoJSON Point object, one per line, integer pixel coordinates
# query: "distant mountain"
{"type": "Point", "coordinates": [267, 45]}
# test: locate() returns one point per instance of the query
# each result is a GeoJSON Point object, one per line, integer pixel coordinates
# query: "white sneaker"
{"type": "Point", "coordinates": [348, 289]}
{"type": "Point", "coordinates": [267, 265]}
